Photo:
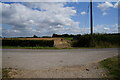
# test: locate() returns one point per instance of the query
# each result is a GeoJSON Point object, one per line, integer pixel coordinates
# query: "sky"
{"type": "Point", "coordinates": [25, 19]}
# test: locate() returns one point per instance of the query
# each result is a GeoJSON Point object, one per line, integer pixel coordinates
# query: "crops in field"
{"type": "Point", "coordinates": [30, 38]}
{"type": "Point", "coordinates": [28, 43]}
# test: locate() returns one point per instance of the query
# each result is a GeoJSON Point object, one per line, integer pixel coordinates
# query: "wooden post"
{"type": "Point", "coordinates": [91, 18]}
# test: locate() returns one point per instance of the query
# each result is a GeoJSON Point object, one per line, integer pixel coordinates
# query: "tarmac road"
{"type": "Point", "coordinates": [34, 59]}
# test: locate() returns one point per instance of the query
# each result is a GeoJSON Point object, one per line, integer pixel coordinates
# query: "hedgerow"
{"type": "Point", "coordinates": [28, 43]}
{"type": "Point", "coordinates": [97, 40]}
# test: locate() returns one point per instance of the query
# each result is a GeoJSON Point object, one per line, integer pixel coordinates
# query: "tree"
{"type": "Point", "coordinates": [35, 36]}
{"type": "Point", "coordinates": [54, 35]}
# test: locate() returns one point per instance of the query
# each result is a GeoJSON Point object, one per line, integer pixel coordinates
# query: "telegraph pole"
{"type": "Point", "coordinates": [91, 18]}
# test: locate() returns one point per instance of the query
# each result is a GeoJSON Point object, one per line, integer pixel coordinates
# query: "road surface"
{"type": "Point", "coordinates": [34, 59]}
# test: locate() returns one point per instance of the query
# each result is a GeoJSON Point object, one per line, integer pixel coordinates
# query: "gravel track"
{"type": "Point", "coordinates": [70, 63]}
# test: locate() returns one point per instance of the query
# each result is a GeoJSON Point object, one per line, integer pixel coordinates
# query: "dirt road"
{"type": "Point", "coordinates": [42, 62]}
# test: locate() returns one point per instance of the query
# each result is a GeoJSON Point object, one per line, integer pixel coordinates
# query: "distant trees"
{"type": "Point", "coordinates": [35, 36]}
{"type": "Point", "coordinates": [63, 35]}
{"type": "Point", "coordinates": [46, 36]}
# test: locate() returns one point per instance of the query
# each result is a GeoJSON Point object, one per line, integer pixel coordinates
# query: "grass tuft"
{"type": "Point", "coordinates": [5, 73]}
{"type": "Point", "coordinates": [112, 65]}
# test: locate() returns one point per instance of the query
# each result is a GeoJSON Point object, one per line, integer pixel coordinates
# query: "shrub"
{"type": "Point", "coordinates": [84, 41]}
{"type": "Point", "coordinates": [97, 40]}
{"type": "Point", "coordinates": [28, 43]}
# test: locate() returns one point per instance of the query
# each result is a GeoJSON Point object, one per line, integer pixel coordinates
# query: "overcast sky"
{"type": "Point", "coordinates": [44, 19]}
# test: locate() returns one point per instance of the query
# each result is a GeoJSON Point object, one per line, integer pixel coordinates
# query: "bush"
{"type": "Point", "coordinates": [28, 43]}
{"type": "Point", "coordinates": [84, 41]}
{"type": "Point", "coordinates": [97, 40]}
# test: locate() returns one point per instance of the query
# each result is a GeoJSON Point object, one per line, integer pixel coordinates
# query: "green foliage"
{"type": "Point", "coordinates": [18, 47]}
{"type": "Point", "coordinates": [28, 43]}
{"type": "Point", "coordinates": [97, 40]}
{"type": "Point", "coordinates": [5, 72]}
{"type": "Point", "coordinates": [35, 36]}
{"type": "Point", "coordinates": [68, 38]}
{"type": "Point", "coordinates": [112, 65]}
{"type": "Point", "coordinates": [63, 35]}
{"type": "Point", "coordinates": [84, 41]}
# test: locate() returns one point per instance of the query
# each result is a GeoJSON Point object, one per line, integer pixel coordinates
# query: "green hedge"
{"type": "Point", "coordinates": [28, 43]}
{"type": "Point", "coordinates": [97, 40]}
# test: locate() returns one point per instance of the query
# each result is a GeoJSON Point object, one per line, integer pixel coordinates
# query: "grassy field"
{"type": "Point", "coordinates": [68, 38]}
{"type": "Point", "coordinates": [112, 65]}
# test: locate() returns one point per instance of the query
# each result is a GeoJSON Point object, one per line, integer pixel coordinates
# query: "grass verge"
{"type": "Point", "coordinates": [112, 65]}
{"type": "Point", "coordinates": [11, 47]}
{"type": "Point", "coordinates": [5, 73]}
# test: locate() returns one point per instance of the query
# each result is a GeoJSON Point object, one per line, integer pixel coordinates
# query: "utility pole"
{"type": "Point", "coordinates": [91, 18]}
